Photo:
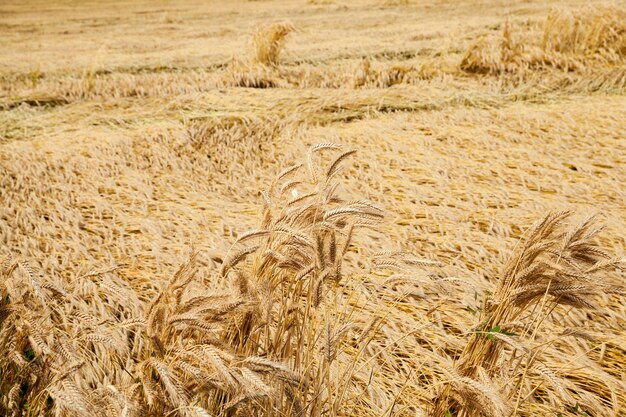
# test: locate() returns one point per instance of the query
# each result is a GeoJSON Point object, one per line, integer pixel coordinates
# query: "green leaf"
{"type": "Point", "coordinates": [29, 354]}
{"type": "Point", "coordinates": [579, 410]}
{"type": "Point", "coordinates": [473, 311]}
{"type": "Point", "coordinates": [498, 329]}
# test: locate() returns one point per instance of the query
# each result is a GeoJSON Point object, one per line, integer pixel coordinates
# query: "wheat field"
{"type": "Point", "coordinates": [366, 208]}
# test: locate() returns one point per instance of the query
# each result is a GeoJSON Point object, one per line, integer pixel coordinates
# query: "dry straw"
{"type": "Point", "coordinates": [570, 40]}
{"type": "Point", "coordinates": [303, 299]}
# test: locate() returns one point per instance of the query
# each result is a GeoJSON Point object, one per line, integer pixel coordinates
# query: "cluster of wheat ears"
{"type": "Point", "coordinates": [274, 341]}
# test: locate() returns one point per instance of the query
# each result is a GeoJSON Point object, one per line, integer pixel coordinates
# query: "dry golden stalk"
{"type": "Point", "coordinates": [268, 42]}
